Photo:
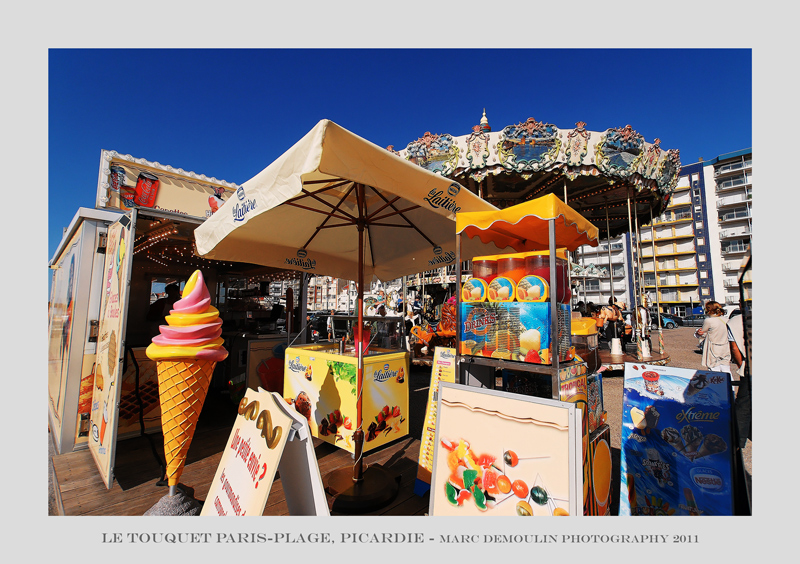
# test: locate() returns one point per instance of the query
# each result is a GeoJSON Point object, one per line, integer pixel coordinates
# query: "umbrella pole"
{"type": "Point", "coordinates": [357, 490]}
{"type": "Point", "coordinates": [358, 435]}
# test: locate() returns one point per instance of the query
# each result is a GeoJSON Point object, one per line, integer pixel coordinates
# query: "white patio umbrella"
{"type": "Point", "coordinates": [336, 204]}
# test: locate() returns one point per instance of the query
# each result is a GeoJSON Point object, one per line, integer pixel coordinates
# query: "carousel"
{"type": "Point", "coordinates": [613, 178]}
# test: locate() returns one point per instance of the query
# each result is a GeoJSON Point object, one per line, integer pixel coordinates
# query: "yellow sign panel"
{"type": "Point", "coordinates": [444, 370]}
{"type": "Point", "coordinates": [322, 386]}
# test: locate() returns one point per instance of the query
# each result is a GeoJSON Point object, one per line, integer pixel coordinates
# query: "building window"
{"type": "Point", "coordinates": [704, 274]}
{"type": "Point", "coordinates": [701, 258]}
{"type": "Point", "coordinates": [698, 224]}
{"type": "Point", "coordinates": [698, 209]}
{"type": "Point", "coordinates": [701, 241]}
{"type": "Point", "coordinates": [706, 291]}
{"type": "Point", "coordinates": [592, 285]}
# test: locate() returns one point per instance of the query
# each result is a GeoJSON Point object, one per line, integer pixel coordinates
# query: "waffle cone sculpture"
{"type": "Point", "coordinates": [186, 352]}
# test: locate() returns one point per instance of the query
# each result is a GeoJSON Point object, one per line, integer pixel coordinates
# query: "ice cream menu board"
{"type": "Point", "coordinates": [245, 473]}
{"type": "Point", "coordinates": [505, 454]}
{"type": "Point", "coordinates": [443, 370]}
{"type": "Point", "coordinates": [110, 351]}
{"type": "Point", "coordinates": [677, 442]}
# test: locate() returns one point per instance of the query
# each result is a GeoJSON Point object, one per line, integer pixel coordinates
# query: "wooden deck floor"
{"type": "Point", "coordinates": [134, 491]}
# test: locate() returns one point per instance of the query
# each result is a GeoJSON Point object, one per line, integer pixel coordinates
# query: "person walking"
{"type": "Point", "coordinates": [716, 347]}
{"type": "Point", "coordinates": [329, 324]}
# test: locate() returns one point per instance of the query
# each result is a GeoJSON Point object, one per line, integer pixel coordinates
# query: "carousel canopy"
{"type": "Point", "coordinates": [595, 172]}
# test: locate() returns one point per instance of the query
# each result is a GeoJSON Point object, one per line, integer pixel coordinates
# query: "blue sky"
{"type": "Point", "coordinates": [228, 113]}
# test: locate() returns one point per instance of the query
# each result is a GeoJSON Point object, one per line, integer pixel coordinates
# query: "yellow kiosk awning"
{"type": "Point", "coordinates": [524, 227]}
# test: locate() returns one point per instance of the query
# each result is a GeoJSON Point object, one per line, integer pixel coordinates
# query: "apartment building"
{"type": "Point", "coordinates": [675, 252]}
{"type": "Point", "coordinates": [731, 176]}
{"type": "Point", "coordinates": [701, 238]}
{"type": "Point", "coordinates": [598, 290]}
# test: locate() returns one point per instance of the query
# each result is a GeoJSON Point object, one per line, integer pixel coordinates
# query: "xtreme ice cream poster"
{"type": "Point", "coordinates": [677, 442]}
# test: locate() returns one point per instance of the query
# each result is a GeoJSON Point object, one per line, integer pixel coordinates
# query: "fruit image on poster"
{"type": "Point", "coordinates": [676, 455]}
{"type": "Point", "coordinates": [598, 472]}
{"type": "Point", "coordinates": [322, 387]}
{"type": "Point", "coordinates": [504, 454]}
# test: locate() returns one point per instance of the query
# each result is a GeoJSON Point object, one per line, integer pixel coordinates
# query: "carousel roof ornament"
{"type": "Point", "coordinates": [594, 172]}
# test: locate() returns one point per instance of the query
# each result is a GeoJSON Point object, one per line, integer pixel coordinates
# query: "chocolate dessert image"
{"type": "Point", "coordinates": [691, 438]}
{"type": "Point", "coordinates": [712, 444]}
{"type": "Point", "coordinates": [697, 383]}
{"type": "Point", "coordinates": [303, 405]}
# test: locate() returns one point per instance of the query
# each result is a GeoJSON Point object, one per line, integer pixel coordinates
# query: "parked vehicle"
{"type": "Point", "coordinates": [668, 321]}
{"type": "Point", "coordinates": [319, 326]}
{"type": "Point", "coordinates": [733, 313]}
{"type": "Point", "coordinates": [694, 319]}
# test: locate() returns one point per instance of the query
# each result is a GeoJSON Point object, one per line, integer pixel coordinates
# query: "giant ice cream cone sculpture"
{"type": "Point", "coordinates": [186, 351]}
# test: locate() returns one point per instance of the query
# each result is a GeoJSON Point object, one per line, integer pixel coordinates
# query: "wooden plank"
{"type": "Point", "coordinates": [84, 493]}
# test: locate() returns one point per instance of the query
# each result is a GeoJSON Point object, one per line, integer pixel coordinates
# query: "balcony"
{"type": "Point", "coordinates": [729, 168]}
{"type": "Point", "coordinates": [733, 183]}
{"type": "Point", "coordinates": [735, 215]}
{"type": "Point", "coordinates": [731, 200]}
{"type": "Point", "coordinates": [740, 248]}
{"type": "Point", "coordinates": [736, 232]}
{"type": "Point", "coordinates": [730, 283]}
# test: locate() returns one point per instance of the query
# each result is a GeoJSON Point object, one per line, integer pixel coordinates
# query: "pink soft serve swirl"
{"type": "Point", "coordinates": [197, 301]}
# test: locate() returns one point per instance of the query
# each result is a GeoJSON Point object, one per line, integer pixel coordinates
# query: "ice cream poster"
{"type": "Point", "coordinates": [107, 387]}
{"type": "Point", "coordinates": [60, 330]}
{"type": "Point", "coordinates": [250, 459]}
{"type": "Point", "coordinates": [505, 454]}
{"type": "Point", "coordinates": [677, 443]}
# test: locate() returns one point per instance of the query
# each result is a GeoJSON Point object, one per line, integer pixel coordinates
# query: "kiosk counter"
{"type": "Point", "coordinates": [320, 380]}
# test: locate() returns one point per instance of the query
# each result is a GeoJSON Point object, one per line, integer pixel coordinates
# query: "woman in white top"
{"type": "Point", "coordinates": [716, 349]}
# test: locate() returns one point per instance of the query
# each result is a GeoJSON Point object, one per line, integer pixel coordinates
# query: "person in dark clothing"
{"type": "Point", "coordinates": [159, 309]}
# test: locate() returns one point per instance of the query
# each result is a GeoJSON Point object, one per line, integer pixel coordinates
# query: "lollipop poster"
{"type": "Point", "coordinates": [505, 454]}
{"type": "Point", "coordinates": [677, 443]}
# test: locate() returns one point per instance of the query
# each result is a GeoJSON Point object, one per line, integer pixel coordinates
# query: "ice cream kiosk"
{"type": "Point", "coordinates": [515, 321]}
{"type": "Point", "coordinates": [101, 385]}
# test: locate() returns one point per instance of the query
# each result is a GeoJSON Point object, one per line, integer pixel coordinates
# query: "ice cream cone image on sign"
{"type": "Point", "coordinates": [187, 350]}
